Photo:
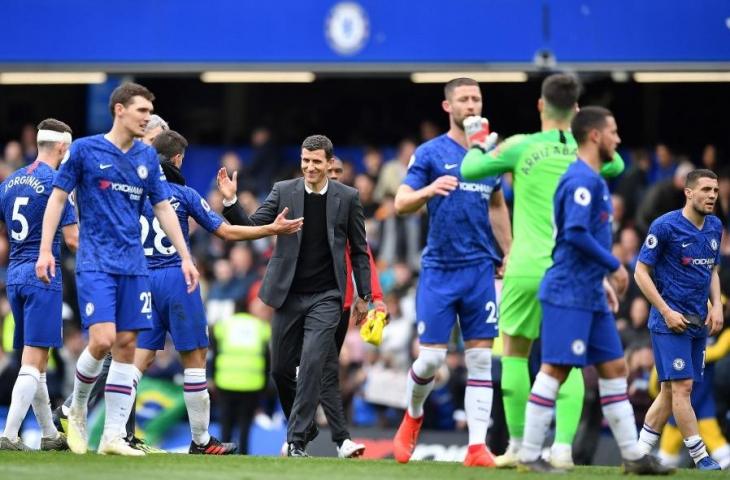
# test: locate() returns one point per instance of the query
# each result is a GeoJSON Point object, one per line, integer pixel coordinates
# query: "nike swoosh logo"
{"type": "Point", "coordinates": [449, 166]}
{"type": "Point", "coordinates": [105, 166]}
{"type": "Point", "coordinates": [684, 245]}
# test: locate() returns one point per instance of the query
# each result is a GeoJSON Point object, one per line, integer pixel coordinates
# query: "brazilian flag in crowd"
{"type": "Point", "coordinates": [160, 405]}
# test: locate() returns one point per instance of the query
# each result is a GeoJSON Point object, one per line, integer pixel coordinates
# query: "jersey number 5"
{"type": "Point", "coordinates": [20, 218]}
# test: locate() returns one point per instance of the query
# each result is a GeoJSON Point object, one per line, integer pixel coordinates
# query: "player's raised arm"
{"type": "Point", "coordinates": [45, 267]}
{"type": "Point", "coordinates": [483, 159]}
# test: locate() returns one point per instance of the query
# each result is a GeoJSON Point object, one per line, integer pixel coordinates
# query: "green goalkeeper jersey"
{"type": "Point", "coordinates": [537, 161]}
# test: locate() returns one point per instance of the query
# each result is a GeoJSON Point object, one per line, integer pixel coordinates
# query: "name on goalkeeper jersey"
{"type": "Point", "coordinates": [547, 152]}
{"type": "Point", "coordinates": [27, 180]}
{"type": "Point", "coordinates": [475, 187]}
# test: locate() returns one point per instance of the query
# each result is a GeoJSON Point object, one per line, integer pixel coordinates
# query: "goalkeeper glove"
{"type": "Point", "coordinates": [477, 133]}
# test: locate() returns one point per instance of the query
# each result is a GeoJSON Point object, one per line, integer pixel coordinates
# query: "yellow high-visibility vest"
{"type": "Point", "coordinates": [240, 363]}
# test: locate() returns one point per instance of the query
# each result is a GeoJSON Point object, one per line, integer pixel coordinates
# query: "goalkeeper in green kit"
{"type": "Point", "coordinates": [536, 161]}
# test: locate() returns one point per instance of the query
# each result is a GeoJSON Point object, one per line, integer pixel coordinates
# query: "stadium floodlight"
{"type": "Point", "coordinates": [443, 77]}
{"type": "Point", "coordinates": [257, 77]}
{"type": "Point", "coordinates": [51, 78]}
{"type": "Point", "coordinates": [681, 77]}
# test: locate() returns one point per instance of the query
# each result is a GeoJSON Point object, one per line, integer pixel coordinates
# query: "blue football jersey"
{"type": "Point", "coordinates": [23, 199]}
{"type": "Point", "coordinates": [187, 203]}
{"type": "Point", "coordinates": [459, 232]}
{"type": "Point", "coordinates": [682, 257]}
{"type": "Point", "coordinates": [111, 188]}
{"type": "Point", "coordinates": [581, 201]}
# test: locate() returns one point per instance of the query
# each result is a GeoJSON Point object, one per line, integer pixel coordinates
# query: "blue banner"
{"type": "Point", "coordinates": [179, 34]}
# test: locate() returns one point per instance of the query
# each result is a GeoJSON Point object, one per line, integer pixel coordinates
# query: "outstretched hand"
{"type": "Point", "coordinates": [283, 226]}
{"type": "Point", "coordinates": [227, 186]}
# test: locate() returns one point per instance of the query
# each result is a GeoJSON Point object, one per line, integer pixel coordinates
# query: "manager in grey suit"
{"type": "Point", "coordinates": [305, 280]}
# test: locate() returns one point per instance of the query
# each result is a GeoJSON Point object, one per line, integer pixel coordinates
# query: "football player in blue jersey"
{"type": "Point", "coordinates": [578, 328]}
{"type": "Point", "coordinates": [682, 254]}
{"type": "Point", "coordinates": [173, 309]}
{"type": "Point", "coordinates": [36, 306]}
{"type": "Point", "coordinates": [155, 125]}
{"type": "Point", "coordinates": [113, 174]}
{"type": "Point", "coordinates": [458, 268]}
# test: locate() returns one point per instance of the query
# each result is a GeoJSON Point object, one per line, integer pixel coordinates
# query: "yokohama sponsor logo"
{"type": "Point", "coordinates": [135, 193]}
{"type": "Point", "coordinates": [698, 261]}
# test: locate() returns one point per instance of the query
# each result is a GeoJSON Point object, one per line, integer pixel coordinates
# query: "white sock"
{"type": "Point", "coordinates": [478, 394]}
{"type": "Point", "coordinates": [135, 380]}
{"type": "Point", "coordinates": [42, 409]}
{"type": "Point", "coordinates": [648, 438]}
{"type": "Point", "coordinates": [668, 459]}
{"type": "Point", "coordinates": [696, 447]}
{"type": "Point", "coordinates": [514, 445]}
{"type": "Point", "coordinates": [420, 378]}
{"type": "Point", "coordinates": [87, 371]}
{"type": "Point", "coordinates": [722, 456]}
{"type": "Point", "coordinates": [118, 396]}
{"type": "Point", "coordinates": [538, 416]}
{"type": "Point", "coordinates": [25, 387]}
{"type": "Point", "coordinates": [619, 414]}
{"type": "Point", "coordinates": [197, 402]}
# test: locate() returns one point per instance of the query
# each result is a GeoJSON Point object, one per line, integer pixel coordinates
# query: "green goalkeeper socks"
{"type": "Point", "coordinates": [569, 407]}
{"type": "Point", "coordinates": [515, 391]}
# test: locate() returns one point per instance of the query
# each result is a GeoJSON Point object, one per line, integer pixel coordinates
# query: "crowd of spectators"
{"type": "Point", "coordinates": [373, 379]}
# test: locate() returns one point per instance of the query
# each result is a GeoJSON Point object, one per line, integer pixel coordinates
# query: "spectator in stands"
{"type": "Point", "coordinates": [634, 331]}
{"type": "Point", "coordinates": [365, 185]}
{"type": "Point", "coordinates": [664, 165]}
{"type": "Point", "coordinates": [394, 171]}
{"type": "Point", "coordinates": [348, 173]}
{"type": "Point", "coordinates": [665, 196]}
{"type": "Point", "coordinates": [240, 367]}
{"type": "Point", "coordinates": [373, 161]}
{"type": "Point", "coordinates": [709, 157]}
{"type": "Point", "coordinates": [244, 270]}
{"type": "Point", "coordinates": [633, 184]}
{"type": "Point", "coordinates": [428, 130]}
{"type": "Point", "coordinates": [28, 141]}
{"type": "Point", "coordinates": [264, 164]}
{"type": "Point", "coordinates": [13, 155]}
{"type": "Point", "coordinates": [640, 361]}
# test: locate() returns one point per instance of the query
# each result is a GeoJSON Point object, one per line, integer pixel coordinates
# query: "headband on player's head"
{"type": "Point", "coordinates": [53, 136]}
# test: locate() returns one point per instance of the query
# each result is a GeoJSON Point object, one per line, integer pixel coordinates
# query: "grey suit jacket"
{"type": "Point", "coordinates": [345, 226]}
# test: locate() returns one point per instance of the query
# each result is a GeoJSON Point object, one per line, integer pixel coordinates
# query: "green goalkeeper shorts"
{"type": "Point", "coordinates": [519, 310]}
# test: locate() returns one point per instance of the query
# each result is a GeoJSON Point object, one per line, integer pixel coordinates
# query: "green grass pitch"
{"type": "Point", "coordinates": [54, 465]}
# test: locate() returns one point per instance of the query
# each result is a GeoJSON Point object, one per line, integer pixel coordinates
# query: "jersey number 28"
{"type": "Point", "coordinates": [159, 236]}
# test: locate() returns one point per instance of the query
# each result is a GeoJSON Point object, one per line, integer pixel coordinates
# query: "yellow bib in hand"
{"type": "Point", "coordinates": [372, 330]}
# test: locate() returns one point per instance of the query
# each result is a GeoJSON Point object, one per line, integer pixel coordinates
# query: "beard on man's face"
{"type": "Point", "coordinates": [605, 154]}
